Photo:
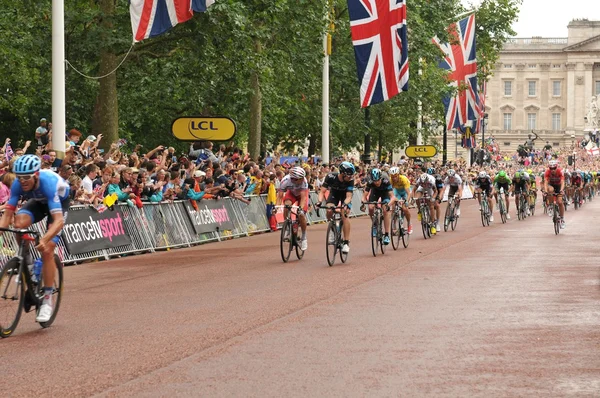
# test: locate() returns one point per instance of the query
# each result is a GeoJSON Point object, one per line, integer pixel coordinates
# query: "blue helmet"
{"type": "Point", "coordinates": [347, 168]}
{"type": "Point", "coordinates": [27, 164]}
{"type": "Point", "coordinates": [430, 171]}
{"type": "Point", "coordinates": [375, 174]}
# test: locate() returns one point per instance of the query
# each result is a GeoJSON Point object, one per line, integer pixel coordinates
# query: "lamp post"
{"type": "Point", "coordinates": [483, 124]}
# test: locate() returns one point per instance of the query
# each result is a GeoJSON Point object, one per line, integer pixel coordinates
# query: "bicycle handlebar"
{"type": "Point", "coordinates": [23, 231]}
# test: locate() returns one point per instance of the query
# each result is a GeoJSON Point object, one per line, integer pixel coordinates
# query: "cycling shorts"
{"type": "Point", "coordinates": [400, 193]}
{"type": "Point", "coordinates": [295, 199]}
{"type": "Point", "coordinates": [503, 185]}
{"type": "Point", "coordinates": [337, 197]}
{"type": "Point", "coordinates": [374, 196]}
{"type": "Point", "coordinates": [37, 211]}
{"type": "Point", "coordinates": [452, 191]}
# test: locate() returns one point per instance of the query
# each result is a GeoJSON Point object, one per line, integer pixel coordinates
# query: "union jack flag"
{"type": "Point", "coordinates": [151, 18]}
{"type": "Point", "coordinates": [460, 59]}
{"type": "Point", "coordinates": [378, 30]}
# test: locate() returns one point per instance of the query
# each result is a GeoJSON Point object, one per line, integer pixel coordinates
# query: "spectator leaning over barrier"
{"type": "Point", "coordinates": [114, 187]}
{"type": "Point", "coordinates": [188, 192]}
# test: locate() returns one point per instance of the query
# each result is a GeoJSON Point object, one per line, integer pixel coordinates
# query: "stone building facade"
{"type": "Point", "coordinates": [545, 85]}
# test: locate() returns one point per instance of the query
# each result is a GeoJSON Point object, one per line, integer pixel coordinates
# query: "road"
{"type": "Point", "coordinates": [507, 310]}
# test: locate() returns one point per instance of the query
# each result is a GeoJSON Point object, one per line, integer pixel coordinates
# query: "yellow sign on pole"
{"type": "Point", "coordinates": [420, 151]}
{"type": "Point", "coordinates": [203, 128]}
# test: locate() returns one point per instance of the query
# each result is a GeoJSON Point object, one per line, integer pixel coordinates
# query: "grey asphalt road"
{"type": "Point", "coordinates": [507, 310]}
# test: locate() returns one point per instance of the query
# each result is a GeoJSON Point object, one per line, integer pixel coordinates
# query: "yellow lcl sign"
{"type": "Point", "coordinates": [420, 151]}
{"type": "Point", "coordinates": [203, 128]}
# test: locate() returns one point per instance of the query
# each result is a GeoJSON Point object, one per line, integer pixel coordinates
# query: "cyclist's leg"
{"type": "Point", "coordinates": [331, 201]}
{"type": "Point", "coordinates": [387, 212]}
{"type": "Point", "coordinates": [303, 208]}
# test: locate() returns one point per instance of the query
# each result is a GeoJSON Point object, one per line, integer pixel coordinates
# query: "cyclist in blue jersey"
{"type": "Point", "coordinates": [47, 194]}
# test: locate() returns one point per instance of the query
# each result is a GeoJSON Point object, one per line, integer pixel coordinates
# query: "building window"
{"type": "Point", "coordinates": [507, 144]}
{"type": "Point", "coordinates": [531, 88]}
{"type": "Point", "coordinates": [556, 121]}
{"type": "Point", "coordinates": [556, 88]}
{"type": "Point", "coordinates": [598, 88]}
{"type": "Point", "coordinates": [507, 88]}
{"type": "Point", "coordinates": [531, 118]}
{"type": "Point", "coordinates": [508, 121]}
{"type": "Point", "coordinates": [507, 66]}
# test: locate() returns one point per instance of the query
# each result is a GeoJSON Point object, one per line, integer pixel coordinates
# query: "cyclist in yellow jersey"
{"type": "Point", "coordinates": [401, 186]}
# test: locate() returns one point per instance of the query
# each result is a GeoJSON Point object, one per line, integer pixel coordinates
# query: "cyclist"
{"type": "Point", "coordinates": [401, 186]}
{"type": "Point", "coordinates": [379, 187]}
{"type": "Point", "coordinates": [520, 186]}
{"type": "Point", "coordinates": [294, 189]}
{"type": "Point", "coordinates": [502, 180]}
{"type": "Point", "coordinates": [569, 191]}
{"type": "Point", "coordinates": [47, 195]}
{"type": "Point", "coordinates": [484, 183]}
{"type": "Point", "coordinates": [426, 183]}
{"type": "Point", "coordinates": [453, 183]}
{"type": "Point", "coordinates": [532, 189]}
{"type": "Point", "coordinates": [587, 179]}
{"type": "Point", "coordinates": [439, 186]}
{"type": "Point", "coordinates": [554, 181]}
{"type": "Point", "coordinates": [577, 185]}
{"type": "Point", "coordinates": [341, 188]}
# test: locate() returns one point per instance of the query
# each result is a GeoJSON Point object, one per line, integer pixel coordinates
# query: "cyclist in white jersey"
{"type": "Point", "coordinates": [294, 189]}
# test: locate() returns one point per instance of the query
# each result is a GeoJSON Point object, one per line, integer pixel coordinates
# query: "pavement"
{"type": "Point", "coordinates": [506, 310]}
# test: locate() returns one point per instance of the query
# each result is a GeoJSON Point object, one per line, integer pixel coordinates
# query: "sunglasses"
{"type": "Point", "coordinates": [25, 177]}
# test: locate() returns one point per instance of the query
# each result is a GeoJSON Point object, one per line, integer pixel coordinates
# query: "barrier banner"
{"type": "Point", "coordinates": [211, 214]}
{"type": "Point", "coordinates": [87, 230]}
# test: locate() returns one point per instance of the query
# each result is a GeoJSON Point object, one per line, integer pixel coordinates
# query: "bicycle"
{"type": "Point", "coordinates": [426, 223]}
{"type": "Point", "coordinates": [26, 295]}
{"type": "Point", "coordinates": [291, 234]}
{"type": "Point", "coordinates": [335, 235]}
{"type": "Point", "coordinates": [502, 205]}
{"type": "Point", "coordinates": [398, 231]}
{"type": "Point", "coordinates": [522, 207]}
{"type": "Point", "coordinates": [485, 210]}
{"type": "Point", "coordinates": [576, 199]}
{"type": "Point", "coordinates": [377, 226]}
{"type": "Point", "coordinates": [556, 220]}
{"type": "Point", "coordinates": [451, 218]}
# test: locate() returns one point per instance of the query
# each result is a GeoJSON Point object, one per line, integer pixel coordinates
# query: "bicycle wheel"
{"type": "Point", "coordinates": [396, 231]}
{"type": "Point", "coordinates": [57, 290]}
{"type": "Point", "coordinates": [424, 225]}
{"type": "Point", "coordinates": [380, 234]}
{"type": "Point", "coordinates": [299, 252]}
{"type": "Point", "coordinates": [12, 295]}
{"type": "Point", "coordinates": [286, 242]}
{"type": "Point", "coordinates": [532, 201]}
{"type": "Point", "coordinates": [447, 217]}
{"type": "Point", "coordinates": [403, 232]}
{"type": "Point", "coordinates": [501, 206]}
{"type": "Point", "coordinates": [375, 239]}
{"type": "Point", "coordinates": [556, 220]}
{"type": "Point", "coordinates": [331, 242]}
{"type": "Point", "coordinates": [484, 211]}
{"type": "Point", "coordinates": [343, 256]}
{"type": "Point", "coordinates": [454, 217]}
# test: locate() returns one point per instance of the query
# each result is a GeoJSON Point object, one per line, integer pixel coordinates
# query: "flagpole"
{"type": "Point", "coordinates": [419, 111]}
{"type": "Point", "coordinates": [58, 78]}
{"type": "Point", "coordinates": [325, 99]}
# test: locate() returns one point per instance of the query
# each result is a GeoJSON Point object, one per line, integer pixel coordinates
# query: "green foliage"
{"type": "Point", "coordinates": [203, 67]}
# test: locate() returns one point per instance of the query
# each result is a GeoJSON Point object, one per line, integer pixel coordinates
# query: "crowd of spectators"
{"type": "Point", "coordinates": [137, 176]}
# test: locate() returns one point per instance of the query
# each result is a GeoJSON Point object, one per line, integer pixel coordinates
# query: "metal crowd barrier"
{"type": "Point", "coordinates": [166, 225]}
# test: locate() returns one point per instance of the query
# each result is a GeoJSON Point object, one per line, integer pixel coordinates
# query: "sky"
{"type": "Point", "coordinates": [556, 16]}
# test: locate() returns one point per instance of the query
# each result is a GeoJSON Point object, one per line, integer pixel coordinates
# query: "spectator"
{"type": "Point", "coordinates": [74, 137]}
{"type": "Point", "coordinates": [41, 133]}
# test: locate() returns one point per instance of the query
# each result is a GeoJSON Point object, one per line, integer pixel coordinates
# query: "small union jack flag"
{"type": "Point", "coordinates": [378, 30]}
{"type": "Point", "coordinates": [461, 61]}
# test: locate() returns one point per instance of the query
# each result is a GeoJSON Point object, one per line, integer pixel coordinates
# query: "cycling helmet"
{"type": "Point", "coordinates": [394, 170]}
{"type": "Point", "coordinates": [424, 177]}
{"type": "Point", "coordinates": [430, 171]}
{"type": "Point", "coordinates": [451, 173]}
{"type": "Point", "coordinates": [502, 174]}
{"type": "Point", "coordinates": [375, 174]}
{"type": "Point", "coordinates": [518, 175]}
{"type": "Point", "coordinates": [347, 168]}
{"type": "Point", "coordinates": [578, 171]}
{"type": "Point", "coordinates": [529, 171]}
{"type": "Point", "coordinates": [27, 164]}
{"type": "Point", "coordinates": [482, 174]}
{"type": "Point", "coordinates": [297, 173]}
{"type": "Point", "coordinates": [553, 164]}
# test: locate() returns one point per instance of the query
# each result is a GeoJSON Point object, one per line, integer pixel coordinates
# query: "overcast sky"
{"type": "Point", "coordinates": [556, 16]}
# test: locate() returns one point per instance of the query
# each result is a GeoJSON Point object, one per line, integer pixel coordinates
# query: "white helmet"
{"type": "Point", "coordinates": [482, 174]}
{"type": "Point", "coordinates": [424, 177]}
{"type": "Point", "coordinates": [297, 173]}
{"type": "Point", "coordinates": [394, 170]}
{"type": "Point", "coordinates": [553, 164]}
{"type": "Point", "coordinates": [451, 173]}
